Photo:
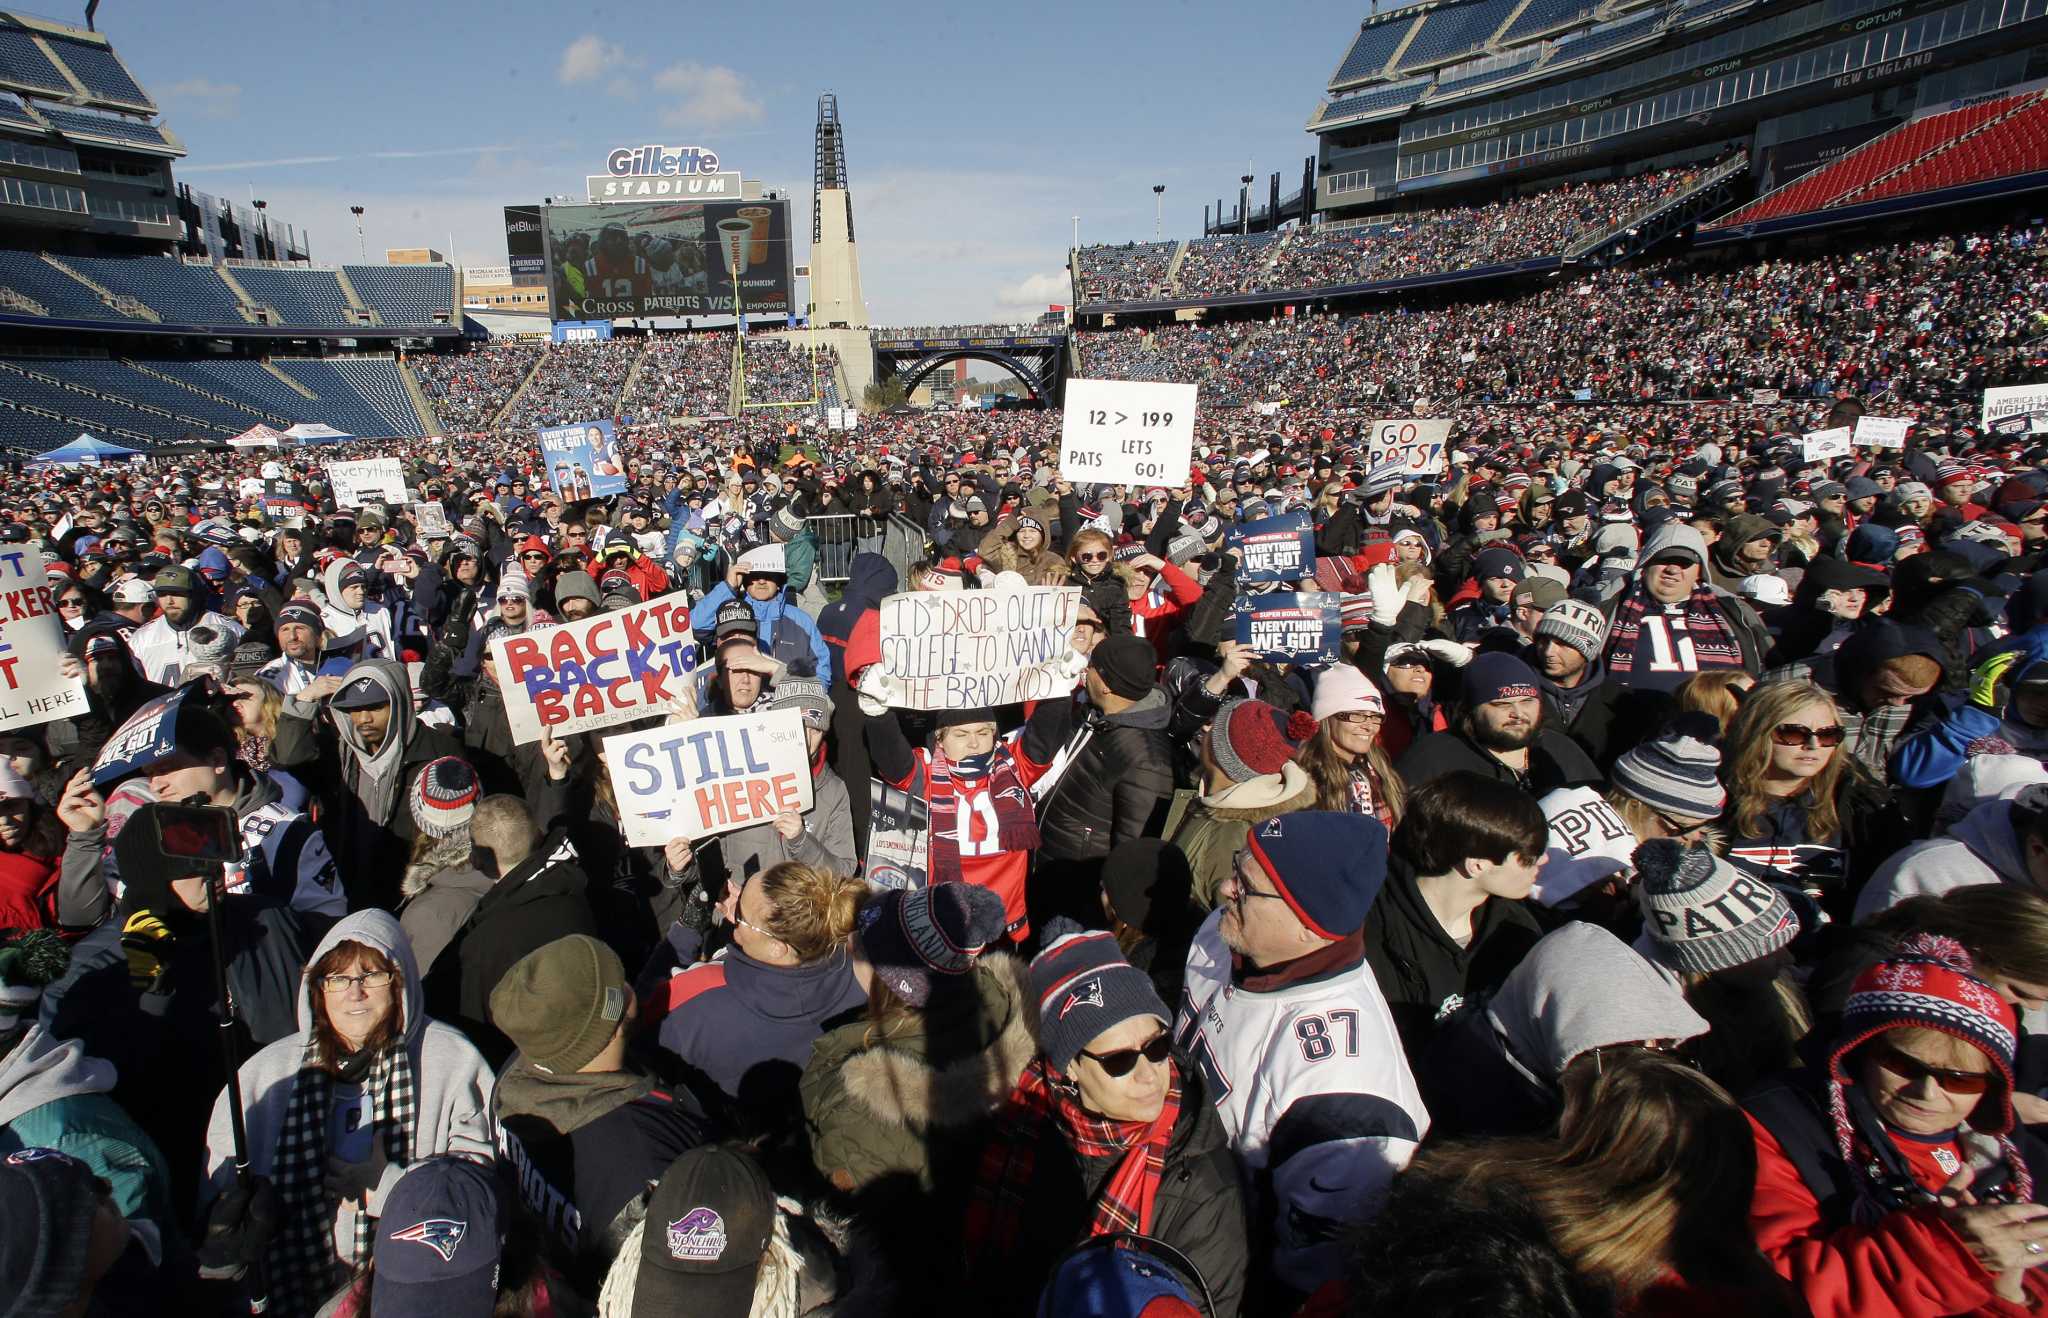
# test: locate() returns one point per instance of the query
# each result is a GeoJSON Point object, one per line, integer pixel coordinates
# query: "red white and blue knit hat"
{"type": "Point", "coordinates": [1327, 866]}
{"type": "Point", "coordinates": [1085, 986]}
{"type": "Point", "coordinates": [444, 796]}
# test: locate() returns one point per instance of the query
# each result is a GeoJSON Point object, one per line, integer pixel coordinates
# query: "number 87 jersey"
{"type": "Point", "coordinates": [1314, 1092]}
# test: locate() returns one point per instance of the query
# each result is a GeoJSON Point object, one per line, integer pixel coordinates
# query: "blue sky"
{"type": "Point", "coordinates": [973, 133]}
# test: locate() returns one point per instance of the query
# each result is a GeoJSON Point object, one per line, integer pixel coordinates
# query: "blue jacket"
{"type": "Point", "coordinates": [770, 615]}
{"type": "Point", "coordinates": [1934, 755]}
{"type": "Point", "coordinates": [748, 1027]}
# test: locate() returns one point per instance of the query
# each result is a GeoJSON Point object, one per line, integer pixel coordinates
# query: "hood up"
{"type": "Point", "coordinates": [1581, 988]}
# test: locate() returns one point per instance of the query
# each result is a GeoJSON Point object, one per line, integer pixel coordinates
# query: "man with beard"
{"type": "Point", "coordinates": [161, 645]}
{"type": "Point", "coordinates": [114, 689]}
{"type": "Point", "coordinates": [1500, 735]}
{"type": "Point", "coordinates": [299, 633]}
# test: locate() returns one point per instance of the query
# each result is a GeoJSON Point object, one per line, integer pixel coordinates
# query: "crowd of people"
{"type": "Point", "coordinates": [1124, 271]}
{"type": "Point", "coordinates": [1640, 907]}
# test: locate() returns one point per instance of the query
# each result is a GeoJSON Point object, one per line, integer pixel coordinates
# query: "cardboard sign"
{"type": "Point", "coordinates": [1419, 445]}
{"type": "Point", "coordinates": [2015, 399]}
{"type": "Point", "coordinates": [1301, 628]}
{"type": "Point", "coordinates": [31, 646]}
{"type": "Point", "coordinates": [1882, 431]}
{"type": "Point", "coordinates": [594, 672]}
{"type": "Point", "coordinates": [963, 649]}
{"type": "Point", "coordinates": [370, 479]}
{"type": "Point", "coordinates": [2021, 423]}
{"type": "Point", "coordinates": [1127, 432]}
{"type": "Point", "coordinates": [583, 460]}
{"type": "Point", "coordinates": [899, 837]}
{"type": "Point", "coordinates": [1281, 548]}
{"type": "Point", "coordinates": [1825, 445]}
{"type": "Point", "coordinates": [1763, 397]}
{"type": "Point", "coordinates": [709, 775]}
{"type": "Point", "coordinates": [763, 558]}
{"type": "Point", "coordinates": [431, 517]}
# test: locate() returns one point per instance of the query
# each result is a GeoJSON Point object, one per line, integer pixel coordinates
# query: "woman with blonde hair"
{"type": "Point", "coordinates": [255, 705]}
{"type": "Point", "coordinates": [1718, 692]}
{"type": "Point", "coordinates": [1350, 769]}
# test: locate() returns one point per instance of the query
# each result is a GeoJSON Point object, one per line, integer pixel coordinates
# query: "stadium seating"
{"type": "Point", "coordinates": [132, 384]}
{"type": "Point", "coordinates": [72, 122]}
{"type": "Point", "coordinates": [1454, 32]}
{"type": "Point", "coordinates": [61, 295]}
{"type": "Point", "coordinates": [1595, 43]}
{"type": "Point", "coordinates": [180, 293]}
{"type": "Point", "coordinates": [2016, 144]}
{"type": "Point", "coordinates": [36, 434]}
{"type": "Point", "coordinates": [405, 294]}
{"type": "Point", "coordinates": [1382, 98]}
{"type": "Point", "coordinates": [1452, 86]}
{"type": "Point", "coordinates": [14, 115]}
{"type": "Point", "coordinates": [1369, 52]}
{"type": "Point", "coordinates": [363, 396]}
{"type": "Point", "coordinates": [300, 297]}
{"type": "Point", "coordinates": [89, 411]}
{"type": "Point", "coordinates": [1133, 270]}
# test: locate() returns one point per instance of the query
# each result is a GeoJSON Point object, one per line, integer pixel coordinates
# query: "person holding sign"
{"type": "Point", "coordinates": [822, 835]}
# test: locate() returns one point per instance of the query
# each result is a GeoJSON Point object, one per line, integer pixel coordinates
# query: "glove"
{"type": "Point", "coordinates": [355, 1180]}
{"type": "Point", "coordinates": [872, 690]}
{"type": "Point", "coordinates": [1383, 583]}
{"type": "Point", "coordinates": [696, 911]}
{"type": "Point", "coordinates": [238, 1230]}
{"type": "Point", "coordinates": [1493, 537]}
{"type": "Point", "coordinates": [1451, 652]}
{"type": "Point", "coordinates": [147, 944]}
{"type": "Point", "coordinates": [1985, 677]}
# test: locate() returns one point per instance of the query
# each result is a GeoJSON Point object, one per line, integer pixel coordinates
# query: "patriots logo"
{"type": "Point", "coordinates": [697, 1235]}
{"type": "Point", "coordinates": [21, 1156]}
{"type": "Point", "coordinates": [1088, 995]}
{"type": "Point", "coordinates": [440, 1234]}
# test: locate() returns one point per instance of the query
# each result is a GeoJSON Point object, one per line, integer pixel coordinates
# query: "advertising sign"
{"type": "Point", "coordinates": [32, 646]}
{"type": "Point", "coordinates": [1281, 548]}
{"type": "Point", "coordinates": [1417, 443]}
{"type": "Point", "coordinates": [366, 480]}
{"type": "Point", "coordinates": [1291, 628]}
{"type": "Point", "coordinates": [581, 331]}
{"type": "Point", "coordinates": [594, 672]}
{"type": "Point", "coordinates": [709, 775]}
{"type": "Point", "coordinates": [655, 172]}
{"type": "Point", "coordinates": [661, 258]}
{"type": "Point", "coordinates": [1127, 432]}
{"type": "Point", "coordinates": [524, 247]}
{"type": "Point", "coordinates": [1882, 431]}
{"type": "Point", "coordinates": [583, 460]}
{"type": "Point", "coordinates": [899, 828]}
{"type": "Point", "coordinates": [970, 648]}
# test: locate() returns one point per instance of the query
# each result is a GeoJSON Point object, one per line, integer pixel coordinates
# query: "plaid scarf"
{"type": "Point", "coordinates": [1016, 820]}
{"type": "Point", "coordinates": [1712, 642]}
{"type": "Point", "coordinates": [1037, 1106]}
{"type": "Point", "coordinates": [304, 1263]}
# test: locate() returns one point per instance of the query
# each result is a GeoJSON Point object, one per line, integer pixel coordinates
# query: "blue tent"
{"type": "Point", "coordinates": [86, 449]}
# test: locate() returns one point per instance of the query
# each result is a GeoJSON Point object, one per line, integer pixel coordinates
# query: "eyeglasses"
{"type": "Point", "coordinates": [1356, 717]}
{"type": "Point", "coordinates": [1678, 828]}
{"type": "Point", "coordinates": [745, 923]}
{"type": "Point", "coordinates": [1243, 886]}
{"type": "Point", "coordinates": [1093, 557]}
{"type": "Point", "coordinates": [369, 979]}
{"type": "Point", "coordinates": [1912, 1070]}
{"type": "Point", "coordinates": [1798, 734]}
{"type": "Point", "coordinates": [1123, 1061]}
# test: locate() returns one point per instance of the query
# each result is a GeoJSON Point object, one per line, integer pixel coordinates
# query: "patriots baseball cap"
{"type": "Point", "coordinates": [439, 1240]}
{"type": "Point", "coordinates": [363, 693]}
{"type": "Point", "coordinates": [707, 1224]}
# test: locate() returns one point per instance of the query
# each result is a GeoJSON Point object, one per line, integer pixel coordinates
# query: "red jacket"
{"type": "Point", "coordinates": [28, 891]}
{"type": "Point", "coordinates": [1155, 622]}
{"type": "Point", "coordinates": [1908, 1265]}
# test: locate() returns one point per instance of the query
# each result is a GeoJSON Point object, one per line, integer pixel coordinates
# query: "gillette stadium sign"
{"type": "Point", "coordinates": [654, 172]}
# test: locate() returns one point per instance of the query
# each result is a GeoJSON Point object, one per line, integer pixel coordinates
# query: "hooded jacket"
{"type": "Point", "coordinates": [1932, 756]}
{"type": "Point", "coordinates": [1040, 567]}
{"type": "Point", "coordinates": [1555, 761]}
{"type": "Point", "coordinates": [1117, 787]}
{"type": "Point", "coordinates": [1423, 972]}
{"type": "Point", "coordinates": [451, 1084]}
{"type": "Point", "coordinates": [53, 1095]}
{"type": "Point", "coordinates": [1873, 734]}
{"type": "Point", "coordinates": [786, 631]}
{"type": "Point", "coordinates": [1214, 828]}
{"type": "Point", "coordinates": [1722, 569]}
{"type": "Point", "coordinates": [1742, 620]}
{"type": "Point", "coordinates": [373, 620]}
{"type": "Point", "coordinates": [747, 1027]}
{"type": "Point", "coordinates": [1981, 848]}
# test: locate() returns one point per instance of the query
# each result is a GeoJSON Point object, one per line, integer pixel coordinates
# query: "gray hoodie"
{"type": "Point", "coordinates": [54, 1096]}
{"type": "Point", "coordinates": [1581, 988]}
{"type": "Point", "coordinates": [42, 1070]}
{"type": "Point", "coordinates": [377, 779]}
{"type": "Point", "coordinates": [1981, 848]}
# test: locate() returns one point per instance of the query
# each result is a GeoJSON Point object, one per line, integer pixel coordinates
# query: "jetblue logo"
{"type": "Point", "coordinates": [656, 159]}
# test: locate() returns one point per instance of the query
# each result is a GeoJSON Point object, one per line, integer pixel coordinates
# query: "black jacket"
{"type": "Point", "coordinates": [1422, 971]}
{"type": "Point", "coordinates": [1470, 1087]}
{"type": "Point", "coordinates": [1117, 788]}
{"type": "Point", "coordinates": [1555, 761]}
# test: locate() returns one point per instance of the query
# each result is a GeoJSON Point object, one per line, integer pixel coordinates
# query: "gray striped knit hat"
{"type": "Point", "coordinates": [1701, 914]}
{"type": "Point", "coordinates": [1674, 775]}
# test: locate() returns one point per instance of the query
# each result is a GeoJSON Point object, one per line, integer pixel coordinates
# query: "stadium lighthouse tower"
{"type": "Point", "coordinates": [836, 302]}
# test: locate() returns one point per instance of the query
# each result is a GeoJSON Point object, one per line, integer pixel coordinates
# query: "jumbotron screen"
{"type": "Point", "coordinates": [667, 258]}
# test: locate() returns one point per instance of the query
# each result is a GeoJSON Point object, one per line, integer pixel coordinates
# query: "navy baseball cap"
{"type": "Point", "coordinates": [363, 693]}
{"type": "Point", "coordinates": [439, 1241]}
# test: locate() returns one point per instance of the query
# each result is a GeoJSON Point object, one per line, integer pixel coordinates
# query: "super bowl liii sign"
{"type": "Point", "coordinates": [654, 172]}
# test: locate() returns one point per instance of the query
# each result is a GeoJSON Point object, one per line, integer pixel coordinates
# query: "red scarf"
{"type": "Point", "coordinates": [1016, 817]}
{"type": "Point", "coordinates": [1003, 1185]}
{"type": "Point", "coordinates": [1713, 642]}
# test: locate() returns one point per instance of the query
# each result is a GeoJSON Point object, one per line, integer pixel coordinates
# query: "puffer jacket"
{"type": "Point", "coordinates": [1118, 786]}
{"type": "Point", "coordinates": [1215, 827]}
{"type": "Point", "coordinates": [1107, 596]}
{"type": "Point", "coordinates": [1043, 567]}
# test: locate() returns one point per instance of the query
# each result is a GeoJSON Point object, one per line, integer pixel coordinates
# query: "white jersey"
{"type": "Point", "coordinates": [374, 622]}
{"type": "Point", "coordinates": [1315, 1096]}
{"type": "Point", "coordinates": [162, 650]}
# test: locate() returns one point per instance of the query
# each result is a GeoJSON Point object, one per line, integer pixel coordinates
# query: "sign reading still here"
{"type": "Point", "coordinates": [1127, 432]}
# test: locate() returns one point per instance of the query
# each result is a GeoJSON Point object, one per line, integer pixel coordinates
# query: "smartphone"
{"type": "Point", "coordinates": [204, 833]}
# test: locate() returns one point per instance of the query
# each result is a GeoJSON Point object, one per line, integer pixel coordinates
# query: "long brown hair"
{"type": "Point", "coordinates": [1747, 758]}
{"type": "Point", "coordinates": [328, 1049]}
{"type": "Point", "coordinates": [1714, 692]}
{"type": "Point", "coordinates": [2004, 928]}
{"type": "Point", "coordinates": [1332, 775]}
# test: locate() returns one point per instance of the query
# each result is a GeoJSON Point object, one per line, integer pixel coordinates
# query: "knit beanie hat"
{"type": "Point", "coordinates": [1250, 739]}
{"type": "Point", "coordinates": [48, 1200]}
{"type": "Point", "coordinates": [907, 937]}
{"type": "Point", "coordinates": [560, 1004]}
{"type": "Point", "coordinates": [1327, 866]}
{"type": "Point", "coordinates": [1578, 624]}
{"type": "Point", "coordinates": [1126, 664]}
{"type": "Point", "coordinates": [1345, 689]}
{"type": "Point", "coordinates": [514, 585]}
{"type": "Point", "coordinates": [1701, 914]}
{"type": "Point", "coordinates": [208, 648]}
{"type": "Point", "coordinates": [1676, 775]}
{"type": "Point", "coordinates": [444, 796]}
{"type": "Point", "coordinates": [1084, 987]}
{"type": "Point", "coordinates": [1498, 675]}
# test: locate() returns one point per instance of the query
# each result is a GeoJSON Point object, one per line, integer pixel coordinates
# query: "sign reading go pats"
{"type": "Point", "coordinates": [594, 672]}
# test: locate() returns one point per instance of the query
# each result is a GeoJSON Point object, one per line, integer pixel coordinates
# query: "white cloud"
{"type": "Point", "coordinates": [1034, 293]}
{"type": "Point", "coordinates": [204, 97]}
{"type": "Point", "coordinates": [712, 96]}
{"type": "Point", "coordinates": [587, 57]}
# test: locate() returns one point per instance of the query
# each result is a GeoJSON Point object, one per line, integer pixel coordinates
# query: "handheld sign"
{"type": "Point", "coordinates": [583, 460]}
{"type": "Point", "coordinates": [1882, 431]}
{"type": "Point", "coordinates": [964, 649]}
{"type": "Point", "coordinates": [360, 482]}
{"type": "Point", "coordinates": [431, 517]}
{"type": "Point", "coordinates": [2012, 400]}
{"type": "Point", "coordinates": [899, 827]}
{"type": "Point", "coordinates": [31, 646]}
{"type": "Point", "coordinates": [709, 775]}
{"type": "Point", "coordinates": [1763, 397]}
{"type": "Point", "coordinates": [594, 672]}
{"type": "Point", "coordinates": [1281, 548]}
{"type": "Point", "coordinates": [1127, 432]}
{"type": "Point", "coordinates": [1418, 444]}
{"type": "Point", "coordinates": [1823, 445]}
{"type": "Point", "coordinates": [1302, 628]}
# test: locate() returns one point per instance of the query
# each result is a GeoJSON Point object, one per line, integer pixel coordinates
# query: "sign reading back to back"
{"type": "Point", "coordinates": [965, 649]}
{"type": "Point", "coordinates": [594, 672]}
{"type": "Point", "coordinates": [1127, 432]}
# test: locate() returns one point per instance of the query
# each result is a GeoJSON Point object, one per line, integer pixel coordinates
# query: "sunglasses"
{"type": "Point", "coordinates": [1798, 734]}
{"type": "Point", "coordinates": [1912, 1070]}
{"type": "Point", "coordinates": [541, 557]}
{"type": "Point", "coordinates": [1123, 1061]}
{"type": "Point", "coordinates": [1093, 557]}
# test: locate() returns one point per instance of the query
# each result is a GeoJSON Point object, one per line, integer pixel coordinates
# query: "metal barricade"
{"type": "Point", "coordinates": [840, 537]}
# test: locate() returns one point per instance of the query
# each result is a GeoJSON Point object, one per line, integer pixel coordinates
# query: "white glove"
{"type": "Point", "coordinates": [1451, 652]}
{"type": "Point", "coordinates": [1383, 583]}
{"type": "Point", "coordinates": [872, 691]}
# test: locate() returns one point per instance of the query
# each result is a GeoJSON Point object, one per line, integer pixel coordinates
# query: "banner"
{"type": "Point", "coordinates": [965, 649]}
{"type": "Point", "coordinates": [899, 837]}
{"type": "Point", "coordinates": [668, 258]}
{"type": "Point", "coordinates": [2014, 399]}
{"type": "Point", "coordinates": [1281, 548]}
{"type": "Point", "coordinates": [581, 331]}
{"type": "Point", "coordinates": [1825, 445]}
{"type": "Point", "coordinates": [2021, 423]}
{"type": "Point", "coordinates": [709, 775]}
{"type": "Point", "coordinates": [1420, 445]}
{"type": "Point", "coordinates": [369, 480]}
{"type": "Point", "coordinates": [1763, 397]}
{"type": "Point", "coordinates": [31, 647]}
{"type": "Point", "coordinates": [594, 672]}
{"type": "Point", "coordinates": [1127, 432]}
{"type": "Point", "coordinates": [432, 518]}
{"type": "Point", "coordinates": [1882, 431]}
{"type": "Point", "coordinates": [523, 245]}
{"type": "Point", "coordinates": [583, 460]}
{"type": "Point", "coordinates": [1291, 629]}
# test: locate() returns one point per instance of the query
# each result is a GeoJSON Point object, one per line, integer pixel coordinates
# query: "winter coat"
{"type": "Point", "coordinates": [1117, 787]}
{"type": "Point", "coordinates": [1423, 972]}
{"type": "Point", "coordinates": [826, 842]}
{"type": "Point", "coordinates": [53, 1095]}
{"type": "Point", "coordinates": [1041, 567]}
{"type": "Point", "coordinates": [451, 1084]}
{"type": "Point", "coordinates": [1214, 828]}
{"type": "Point", "coordinates": [1555, 761]}
{"type": "Point", "coordinates": [1981, 847]}
{"type": "Point", "coordinates": [28, 887]}
{"type": "Point", "coordinates": [1106, 595]}
{"type": "Point", "coordinates": [1873, 734]}
{"type": "Point", "coordinates": [747, 1027]}
{"type": "Point", "coordinates": [785, 631]}
{"type": "Point", "coordinates": [1156, 615]}
{"type": "Point", "coordinates": [1933, 755]}
{"type": "Point", "coordinates": [435, 912]}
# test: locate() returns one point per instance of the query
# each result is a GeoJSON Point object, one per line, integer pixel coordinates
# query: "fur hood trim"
{"type": "Point", "coordinates": [903, 1089]}
{"type": "Point", "coordinates": [1261, 798]}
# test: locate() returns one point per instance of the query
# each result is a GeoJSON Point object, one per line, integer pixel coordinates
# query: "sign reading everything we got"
{"type": "Point", "coordinates": [965, 649]}
{"type": "Point", "coordinates": [1127, 432]}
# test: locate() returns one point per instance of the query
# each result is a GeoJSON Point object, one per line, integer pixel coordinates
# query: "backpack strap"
{"type": "Point", "coordinates": [1795, 1119]}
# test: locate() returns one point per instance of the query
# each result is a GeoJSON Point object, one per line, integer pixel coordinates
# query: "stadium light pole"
{"type": "Point", "coordinates": [1077, 233]}
{"type": "Point", "coordinates": [1244, 206]}
{"type": "Point", "coordinates": [362, 251]}
{"type": "Point", "coordinates": [1158, 208]}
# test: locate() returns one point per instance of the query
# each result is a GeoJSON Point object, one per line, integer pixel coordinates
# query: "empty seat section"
{"type": "Point", "coordinates": [405, 295]}
{"type": "Point", "coordinates": [64, 297]}
{"type": "Point", "coordinates": [125, 382]}
{"type": "Point", "coordinates": [87, 410]}
{"type": "Point", "coordinates": [24, 62]}
{"type": "Point", "coordinates": [1547, 15]}
{"type": "Point", "coordinates": [37, 434]}
{"type": "Point", "coordinates": [342, 404]}
{"type": "Point", "coordinates": [300, 297]}
{"type": "Point", "coordinates": [378, 381]}
{"type": "Point", "coordinates": [2017, 145]}
{"type": "Point", "coordinates": [1449, 34]}
{"type": "Point", "coordinates": [1370, 51]}
{"type": "Point", "coordinates": [182, 294]}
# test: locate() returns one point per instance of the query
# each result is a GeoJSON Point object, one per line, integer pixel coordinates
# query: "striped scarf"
{"type": "Point", "coordinates": [1708, 642]}
{"type": "Point", "coordinates": [1016, 818]}
{"type": "Point", "coordinates": [1003, 1186]}
{"type": "Point", "coordinates": [304, 1264]}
